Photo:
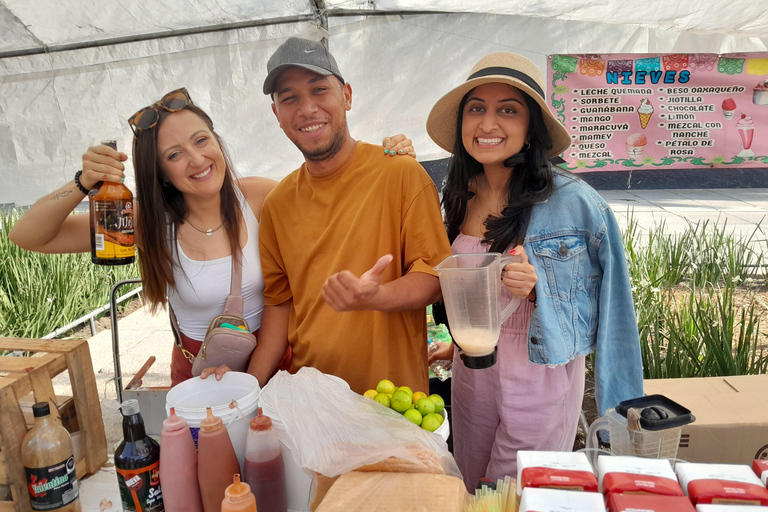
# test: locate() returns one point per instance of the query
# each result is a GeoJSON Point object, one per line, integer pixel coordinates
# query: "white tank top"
{"type": "Point", "coordinates": [203, 286]}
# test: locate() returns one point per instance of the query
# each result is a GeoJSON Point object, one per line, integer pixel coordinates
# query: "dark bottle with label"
{"type": "Point", "coordinates": [137, 461]}
{"type": "Point", "coordinates": [46, 453]}
{"type": "Point", "coordinates": [111, 210]}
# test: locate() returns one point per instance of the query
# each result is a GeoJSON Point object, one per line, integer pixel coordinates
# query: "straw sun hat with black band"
{"type": "Point", "coordinates": [503, 67]}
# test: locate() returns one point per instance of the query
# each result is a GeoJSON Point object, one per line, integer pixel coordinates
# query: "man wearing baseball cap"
{"type": "Point", "coordinates": [348, 241]}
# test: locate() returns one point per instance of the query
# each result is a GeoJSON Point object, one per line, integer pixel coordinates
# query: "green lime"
{"type": "Point", "coordinates": [425, 406]}
{"type": "Point", "coordinates": [371, 393]}
{"type": "Point", "coordinates": [407, 389]}
{"type": "Point", "coordinates": [401, 401]}
{"type": "Point", "coordinates": [413, 415]}
{"type": "Point", "coordinates": [431, 422]}
{"type": "Point", "coordinates": [383, 399]}
{"type": "Point", "coordinates": [385, 386]}
{"type": "Point", "coordinates": [439, 402]}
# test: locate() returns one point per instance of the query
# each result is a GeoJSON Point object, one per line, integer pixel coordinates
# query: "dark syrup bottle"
{"type": "Point", "coordinates": [137, 461]}
{"type": "Point", "coordinates": [111, 210]}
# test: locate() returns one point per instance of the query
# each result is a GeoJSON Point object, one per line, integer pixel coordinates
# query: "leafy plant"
{"type": "Point", "coordinates": [701, 333]}
{"type": "Point", "coordinates": [41, 292]}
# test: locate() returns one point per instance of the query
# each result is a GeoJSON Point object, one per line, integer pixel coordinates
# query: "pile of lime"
{"type": "Point", "coordinates": [422, 409]}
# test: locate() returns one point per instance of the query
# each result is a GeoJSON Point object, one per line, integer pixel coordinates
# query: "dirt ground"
{"type": "Point", "coordinates": [105, 322]}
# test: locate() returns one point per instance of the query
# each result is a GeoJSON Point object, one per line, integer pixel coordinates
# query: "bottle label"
{"type": "Point", "coordinates": [52, 487]}
{"type": "Point", "coordinates": [140, 488]}
{"type": "Point", "coordinates": [114, 228]}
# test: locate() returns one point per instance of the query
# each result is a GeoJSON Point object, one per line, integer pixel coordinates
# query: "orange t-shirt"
{"type": "Point", "coordinates": [313, 227]}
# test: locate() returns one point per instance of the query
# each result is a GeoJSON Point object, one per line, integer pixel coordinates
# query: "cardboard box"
{"type": "Point", "coordinates": [394, 492]}
{"type": "Point", "coordinates": [731, 417]}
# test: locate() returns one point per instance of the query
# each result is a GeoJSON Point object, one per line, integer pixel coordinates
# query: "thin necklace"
{"type": "Point", "coordinates": [208, 232]}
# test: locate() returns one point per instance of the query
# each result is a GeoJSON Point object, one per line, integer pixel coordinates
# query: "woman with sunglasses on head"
{"type": "Point", "coordinates": [502, 195]}
{"type": "Point", "coordinates": [195, 215]}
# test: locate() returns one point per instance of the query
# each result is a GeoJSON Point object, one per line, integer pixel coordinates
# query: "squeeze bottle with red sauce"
{"type": "Point", "coordinates": [238, 498]}
{"type": "Point", "coordinates": [178, 466]}
{"type": "Point", "coordinates": [264, 470]}
{"type": "Point", "coordinates": [216, 461]}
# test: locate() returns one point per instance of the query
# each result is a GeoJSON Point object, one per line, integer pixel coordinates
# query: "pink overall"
{"type": "Point", "coordinates": [513, 405]}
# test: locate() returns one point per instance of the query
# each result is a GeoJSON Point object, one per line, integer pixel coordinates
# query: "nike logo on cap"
{"type": "Point", "coordinates": [309, 51]}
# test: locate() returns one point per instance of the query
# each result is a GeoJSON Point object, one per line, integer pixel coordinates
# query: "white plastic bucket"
{"type": "Point", "coordinates": [444, 430]}
{"type": "Point", "coordinates": [191, 397]}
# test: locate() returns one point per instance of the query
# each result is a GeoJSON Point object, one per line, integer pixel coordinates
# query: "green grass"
{"type": "Point", "coordinates": [684, 286]}
{"type": "Point", "coordinates": [42, 292]}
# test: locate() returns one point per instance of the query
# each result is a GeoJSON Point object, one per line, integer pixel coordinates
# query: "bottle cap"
{"type": "Point", "coordinates": [261, 422]}
{"type": "Point", "coordinates": [211, 423]}
{"type": "Point", "coordinates": [238, 491]}
{"type": "Point", "coordinates": [41, 409]}
{"type": "Point", "coordinates": [174, 421]}
{"type": "Point", "coordinates": [130, 407]}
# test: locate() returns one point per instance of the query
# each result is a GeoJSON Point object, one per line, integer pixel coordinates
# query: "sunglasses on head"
{"type": "Point", "coordinates": [148, 117]}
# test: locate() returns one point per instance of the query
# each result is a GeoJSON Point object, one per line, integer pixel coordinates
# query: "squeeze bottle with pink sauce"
{"type": "Point", "coordinates": [178, 466]}
{"type": "Point", "coordinates": [264, 470]}
{"type": "Point", "coordinates": [216, 461]}
{"type": "Point", "coordinates": [238, 498]}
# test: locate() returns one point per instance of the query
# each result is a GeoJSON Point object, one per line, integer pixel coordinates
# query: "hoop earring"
{"type": "Point", "coordinates": [166, 183]}
{"type": "Point", "coordinates": [527, 146]}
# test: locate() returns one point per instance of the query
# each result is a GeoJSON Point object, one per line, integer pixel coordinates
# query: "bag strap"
{"type": "Point", "coordinates": [233, 307]}
{"type": "Point", "coordinates": [234, 304]}
{"type": "Point", "coordinates": [177, 335]}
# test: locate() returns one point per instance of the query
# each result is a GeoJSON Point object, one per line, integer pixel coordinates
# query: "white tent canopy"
{"type": "Point", "coordinates": [72, 72]}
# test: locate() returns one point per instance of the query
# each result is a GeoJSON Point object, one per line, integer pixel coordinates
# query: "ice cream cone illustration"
{"type": "Point", "coordinates": [645, 111]}
{"type": "Point", "coordinates": [729, 107]}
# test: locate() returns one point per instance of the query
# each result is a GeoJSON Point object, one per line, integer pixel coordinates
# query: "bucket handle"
{"type": "Point", "coordinates": [239, 415]}
{"type": "Point", "coordinates": [514, 302]}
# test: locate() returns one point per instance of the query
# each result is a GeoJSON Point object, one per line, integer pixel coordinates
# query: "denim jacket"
{"type": "Point", "coordinates": [583, 294]}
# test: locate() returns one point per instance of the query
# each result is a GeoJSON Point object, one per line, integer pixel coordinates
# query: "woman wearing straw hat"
{"type": "Point", "coordinates": [503, 195]}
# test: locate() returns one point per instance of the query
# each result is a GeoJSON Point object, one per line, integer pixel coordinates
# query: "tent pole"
{"type": "Point", "coordinates": [321, 15]}
{"type": "Point", "coordinates": [155, 35]}
{"type": "Point", "coordinates": [321, 18]}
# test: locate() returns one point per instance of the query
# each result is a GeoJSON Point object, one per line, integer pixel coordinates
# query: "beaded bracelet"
{"type": "Point", "coordinates": [80, 185]}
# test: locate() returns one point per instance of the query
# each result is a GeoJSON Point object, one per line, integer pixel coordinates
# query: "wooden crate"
{"type": "Point", "coordinates": [20, 376]}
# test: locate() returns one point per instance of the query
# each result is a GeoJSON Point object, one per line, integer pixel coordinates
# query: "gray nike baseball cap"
{"type": "Point", "coordinates": [305, 53]}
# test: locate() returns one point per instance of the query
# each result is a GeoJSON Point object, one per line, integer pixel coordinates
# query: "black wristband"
{"type": "Point", "coordinates": [80, 185]}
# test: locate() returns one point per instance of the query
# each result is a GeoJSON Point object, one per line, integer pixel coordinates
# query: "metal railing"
{"type": "Point", "coordinates": [96, 312]}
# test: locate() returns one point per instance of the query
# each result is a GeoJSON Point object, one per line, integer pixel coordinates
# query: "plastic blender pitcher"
{"type": "Point", "coordinates": [661, 422]}
{"type": "Point", "coordinates": [472, 293]}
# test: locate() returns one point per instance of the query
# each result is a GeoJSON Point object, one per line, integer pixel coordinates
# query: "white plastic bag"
{"type": "Point", "coordinates": [334, 430]}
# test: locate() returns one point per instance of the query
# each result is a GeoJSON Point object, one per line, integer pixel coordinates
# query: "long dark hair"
{"type": "Point", "coordinates": [162, 210]}
{"type": "Point", "coordinates": [531, 182]}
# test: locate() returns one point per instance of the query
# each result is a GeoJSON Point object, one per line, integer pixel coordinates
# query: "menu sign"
{"type": "Point", "coordinates": [652, 111]}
